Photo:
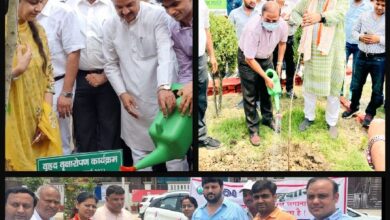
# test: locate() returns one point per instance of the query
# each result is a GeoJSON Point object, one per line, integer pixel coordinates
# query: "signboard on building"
{"type": "Point", "coordinates": [93, 161]}
{"type": "Point", "coordinates": [291, 195]}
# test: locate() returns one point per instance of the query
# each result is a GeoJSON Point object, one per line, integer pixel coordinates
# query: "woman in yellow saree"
{"type": "Point", "coordinates": [31, 126]}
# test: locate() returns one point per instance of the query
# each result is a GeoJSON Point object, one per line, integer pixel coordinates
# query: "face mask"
{"type": "Point", "coordinates": [270, 26]}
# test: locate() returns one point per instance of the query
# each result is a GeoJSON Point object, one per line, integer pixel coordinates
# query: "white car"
{"type": "Point", "coordinates": [166, 207]}
{"type": "Point", "coordinates": [361, 216]}
{"type": "Point", "coordinates": [146, 200]}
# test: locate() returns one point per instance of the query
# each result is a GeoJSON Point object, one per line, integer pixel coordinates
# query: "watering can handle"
{"type": "Point", "coordinates": [175, 92]}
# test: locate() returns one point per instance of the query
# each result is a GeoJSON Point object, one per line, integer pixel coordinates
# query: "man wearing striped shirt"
{"type": "Point", "coordinates": [370, 31]}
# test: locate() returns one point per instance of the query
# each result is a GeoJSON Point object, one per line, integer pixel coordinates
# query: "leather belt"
{"type": "Point", "coordinates": [372, 55]}
{"type": "Point", "coordinates": [98, 71]}
{"type": "Point", "coordinates": [59, 77]}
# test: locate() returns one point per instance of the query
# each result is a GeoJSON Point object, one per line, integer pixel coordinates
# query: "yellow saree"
{"type": "Point", "coordinates": [27, 110]}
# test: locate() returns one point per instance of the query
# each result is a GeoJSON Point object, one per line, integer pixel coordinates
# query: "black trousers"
{"type": "Point", "coordinates": [253, 88]}
{"type": "Point", "coordinates": [96, 116]}
{"type": "Point", "coordinates": [289, 59]}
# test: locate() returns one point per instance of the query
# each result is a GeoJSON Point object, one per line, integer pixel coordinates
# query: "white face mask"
{"type": "Point", "coordinates": [270, 26]}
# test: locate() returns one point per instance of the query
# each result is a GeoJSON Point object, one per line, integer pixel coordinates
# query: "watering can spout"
{"type": "Point", "coordinates": [159, 155]}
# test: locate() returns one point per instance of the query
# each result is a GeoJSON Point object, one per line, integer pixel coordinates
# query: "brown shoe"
{"type": "Point", "coordinates": [255, 139]}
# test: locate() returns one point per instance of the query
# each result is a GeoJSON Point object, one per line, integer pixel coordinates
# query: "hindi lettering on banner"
{"type": "Point", "coordinates": [291, 194]}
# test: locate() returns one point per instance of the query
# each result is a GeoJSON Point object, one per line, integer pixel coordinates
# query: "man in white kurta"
{"type": "Point", "coordinates": [65, 41]}
{"type": "Point", "coordinates": [140, 67]}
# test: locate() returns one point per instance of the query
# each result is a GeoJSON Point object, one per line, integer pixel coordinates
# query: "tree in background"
{"type": "Point", "coordinates": [11, 27]}
{"type": "Point", "coordinates": [33, 183]}
{"type": "Point", "coordinates": [72, 187]}
{"type": "Point", "coordinates": [225, 48]}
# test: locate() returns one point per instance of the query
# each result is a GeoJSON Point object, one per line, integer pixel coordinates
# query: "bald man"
{"type": "Point", "coordinates": [257, 42]}
{"type": "Point", "coordinates": [49, 198]}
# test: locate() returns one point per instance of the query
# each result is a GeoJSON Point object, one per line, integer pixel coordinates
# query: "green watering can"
{"type": "Point", "coordinates": [172, 136]}
{"type": "Point", "coordinates": [275, 92]}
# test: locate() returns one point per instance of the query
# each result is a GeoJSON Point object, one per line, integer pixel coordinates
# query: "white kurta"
{"type": "Point", "coordinates": [102, 213]}
{"type": "Point", "coordinates": [139, 58]}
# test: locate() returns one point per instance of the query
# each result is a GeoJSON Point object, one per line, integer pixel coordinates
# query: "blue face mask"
{"type": "Point", "coordinates": [270, 26]}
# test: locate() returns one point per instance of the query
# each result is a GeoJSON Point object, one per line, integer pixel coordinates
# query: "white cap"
{"type": "Point", "coordinates": [248, 185]}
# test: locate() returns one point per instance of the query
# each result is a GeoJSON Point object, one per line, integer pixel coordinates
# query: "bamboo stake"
{"type": "Point", "coordinates": [11, 27]}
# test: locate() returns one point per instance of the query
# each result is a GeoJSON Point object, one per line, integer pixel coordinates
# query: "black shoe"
{"type": "Point", "coordinates": [350, 113]}
{"type": "Point", "coordinates": [291, 94]}
{"type": "Point", "coordinates": [210, 143]}
{"type": "Point", "coordinates": [367, 120]}
{"type": "Point", "coordinates": [305, 124]}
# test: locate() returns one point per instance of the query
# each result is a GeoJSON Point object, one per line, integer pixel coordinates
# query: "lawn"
{"type": "Point", "coordinates": [312, 150]}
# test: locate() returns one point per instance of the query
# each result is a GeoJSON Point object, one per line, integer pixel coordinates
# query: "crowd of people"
{"type": "Point", "coordinates": [331, 32]}
{"type": "Point", "coordinates": [260, 200]}
{"type": "Point", "coordinates": [96, 73]}
{"type": "Point", "coordinates": [259, 197]}
{"type": "Point", "coordinates": [22, 203]}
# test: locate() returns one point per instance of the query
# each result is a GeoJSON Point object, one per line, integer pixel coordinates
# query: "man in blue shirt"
{"type": "Point", "coordinates": [217, 207]}
{"type": "Point", "coordinates": [369, 31]}
{"type": "Point", "coordinates": [232, 4]}
{"type": "Point", "coordinates": [240, 16]}
{"type": "Point", "coordinates": [322, 197]}
{"type": "Point", "coordinates": [356, 8]}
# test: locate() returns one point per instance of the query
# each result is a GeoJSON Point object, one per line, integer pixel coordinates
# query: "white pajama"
{"type": "Point", "coordinates": [331, 112]}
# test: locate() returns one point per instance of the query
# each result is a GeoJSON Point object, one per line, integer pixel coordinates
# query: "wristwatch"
{"type": "Point", "coordinates": [67, 94]}
{"type": "Point", "coordinates": [164, 87]}
{"type": "Point", "coordinates": [323, 19]}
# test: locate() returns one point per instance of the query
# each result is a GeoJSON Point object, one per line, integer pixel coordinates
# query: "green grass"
{"type": "Point", "coordinates": [340, 153]}
{"type": "Point", "coordinates": [346, 153]}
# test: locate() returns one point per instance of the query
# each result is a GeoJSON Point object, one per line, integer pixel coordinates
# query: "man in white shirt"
{"type": "Point", "coordinates": [48, 203]}
{"type": "Point", "coordinates": [113, 208]}
{"type": "Point", "coordinates": [65, 41]}
{"type": "Point", "coordinates": [141, 67]}
{"type": "Point", "coordinates": [96, 109]}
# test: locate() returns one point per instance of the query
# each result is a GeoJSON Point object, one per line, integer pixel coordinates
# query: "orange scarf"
{"type": "Point", "coordinates": [320, 28]}
{"type": "Point", "coordinates": [325, 34]}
